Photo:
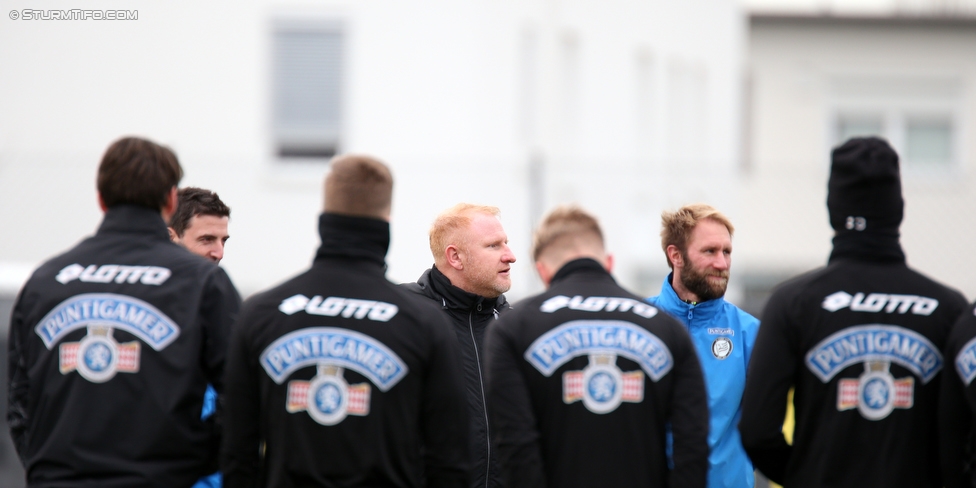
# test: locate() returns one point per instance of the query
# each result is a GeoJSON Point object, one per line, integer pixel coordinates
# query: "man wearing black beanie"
{"type": "Point", "coordinates": [860, 340]}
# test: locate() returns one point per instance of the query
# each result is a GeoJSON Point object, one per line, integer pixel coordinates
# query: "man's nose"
{"type": "Point", "coordinates": [217, 252]}
{"type": "Point", "coordinates": [722, 262]}
{"type": "Point", "coordinates": [509, 256]}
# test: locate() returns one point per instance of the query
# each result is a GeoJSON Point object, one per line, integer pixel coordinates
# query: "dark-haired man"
{"type": "Point", "coordinates": [861, 342]}
{"type": "Point", "coordinates": [200, 223]}
{"type": "Point", "coordinates": [113, 343]}
{"type": "Point", "coordinates": [585, 378]}
{"type": "Point", "coordinates": [338, 377]}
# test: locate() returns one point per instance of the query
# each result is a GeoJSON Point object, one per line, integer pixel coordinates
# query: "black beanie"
{"type": "Point", "coordinates": [864, 191]}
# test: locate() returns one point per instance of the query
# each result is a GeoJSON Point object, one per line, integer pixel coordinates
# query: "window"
{"type": "Point", "coordinates": [858, 125]}
{"type": "Point", "coordinates": [919, 117]}
{"type": "Point", "coordinates": [928, 140]}
{"type": "Point", "coordinates": [307, 85]}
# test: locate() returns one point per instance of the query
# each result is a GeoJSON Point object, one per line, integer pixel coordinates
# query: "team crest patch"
{"type": "Point", "coordinates": [98, 357]}
{"type": "Point", "coordinates": [876, 392]}
{"type": "Point", "coordinates": [327, 397]}
{"type": "Point", "coordinates": [586, 337]}
{"type": "Point", "coordinates": [722, 347]}
{"type": "Point", "coordinates": [602, 386]}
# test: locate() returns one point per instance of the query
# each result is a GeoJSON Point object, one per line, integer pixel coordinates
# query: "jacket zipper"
{"type": "Point", "coordinates": [484, 401]}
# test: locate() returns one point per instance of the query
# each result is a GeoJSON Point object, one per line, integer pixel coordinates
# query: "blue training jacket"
{"type": "Point", "coordinates": [723, 335]}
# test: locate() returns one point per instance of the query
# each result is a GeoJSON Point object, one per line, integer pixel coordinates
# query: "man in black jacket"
{"type": "Point", "coordinates": [338, 377]}
{"type": "Point", "coordinates": [860, 340]}
{"type": "Point", "coordinates": [472, 265]}
{"type": "Point", "coordinates": [957, 405]}
{"type": "Point", "coordinates": [113, 343]}
{"type": "Point", "coordinates": [585, 378]}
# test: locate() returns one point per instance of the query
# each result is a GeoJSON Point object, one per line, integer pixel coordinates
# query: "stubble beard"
{"type": "Point", "coordinates": [490, 284]}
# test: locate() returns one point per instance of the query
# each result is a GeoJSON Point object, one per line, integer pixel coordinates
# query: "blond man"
{"type": "Point", "coordinates": [697, 241]}
{"type": "Point", "coordinates": [471, 271]}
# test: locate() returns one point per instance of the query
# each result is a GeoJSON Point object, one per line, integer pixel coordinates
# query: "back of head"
{"type": "Point", "coordinates": [196, 201]}
{"type": "Point", "coordinates": [566, 233]}
{"type": "Point", "coordinates": [864, 190]}
{"type": "Point", "coordinates": [448, 228]}
{"type": "Point", "coordinates": [137, 171]}
{"type": "Point", "coordinates": [676, 227]}
{"type": "Point", "coordinates": [359, 186]}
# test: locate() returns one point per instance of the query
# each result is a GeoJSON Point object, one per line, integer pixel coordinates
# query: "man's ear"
{"type": "Point", "coordinates": [608, 263]}
{"type": "Point", "coordinates": [101, 203]}
{"type": "Point", "coordinates": [453, 255]}
{"type": "Point", "coordinates": [674, 255]}
{"type": "Point", "coordinates": [172, 200]}
{"type": "Point", "coordinates": [545, 274]}
{"type": "Point", "coordinates": [172, 235]}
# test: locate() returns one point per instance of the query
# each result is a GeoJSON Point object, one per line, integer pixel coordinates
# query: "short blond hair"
{"type": "Point", "coordinates": [567, 227]}
{"type": "Point", "coordinates": [359, 185]}
{"type": "Point", "coordinates": [676, 227]}
{"type": "Point", "coordinates": [444, 230]}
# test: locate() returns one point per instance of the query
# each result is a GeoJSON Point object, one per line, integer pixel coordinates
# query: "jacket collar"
{"type": "Point", "coordinates": [673, 304]}
{"type": "Point", "coordinates": [581, 266]}
{"type": "Point", "coordinates": [133, 219]}
{"type": "Point", "coordinates": [359, 238]}
{"type": "Point", "coordinates": [879, 247]}
{"type": "Point", "coordinates": [435, 285]}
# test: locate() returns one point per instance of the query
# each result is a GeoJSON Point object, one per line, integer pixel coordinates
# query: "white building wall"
{"type": "Point", "coordinates": [458, 97]}
{"type": "Point", "coordinates": [800, 72]}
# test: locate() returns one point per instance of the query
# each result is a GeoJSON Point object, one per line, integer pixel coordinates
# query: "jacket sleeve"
{"type": "Point", "coordinates": [768, 381]}
{"type": "Point", "coordinates": [445, 411]}
{"type": "Point", "coordinates": [218, 310]}
{"type": "Point", "coordinates": [955, 416]}
{"type": "Point", "coordinates": [688, 416]}
{"type": "Point", "coordinates": [516, 433]}
{"type": "Point", "coordinates": [18, 385]}
{"type": "Point", "coordinates": [239, 456]}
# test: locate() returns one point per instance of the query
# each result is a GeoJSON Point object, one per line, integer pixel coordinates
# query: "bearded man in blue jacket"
{"type": "Point", "coordinates": [697, 240]}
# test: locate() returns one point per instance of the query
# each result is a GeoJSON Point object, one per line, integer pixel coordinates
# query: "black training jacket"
{"type": "Point", "coordinates": [112, 345]}
{"type": "Point", "coordinates": [583, 382]}
{"type": "Point", "coordinates": [339, 378]}
{"type": "Point", "coordinates": [957, 404]}
{"type": "Point", "coordinates": [470, 314]}
{"type": "Point", "coordinates": [861, 341]}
